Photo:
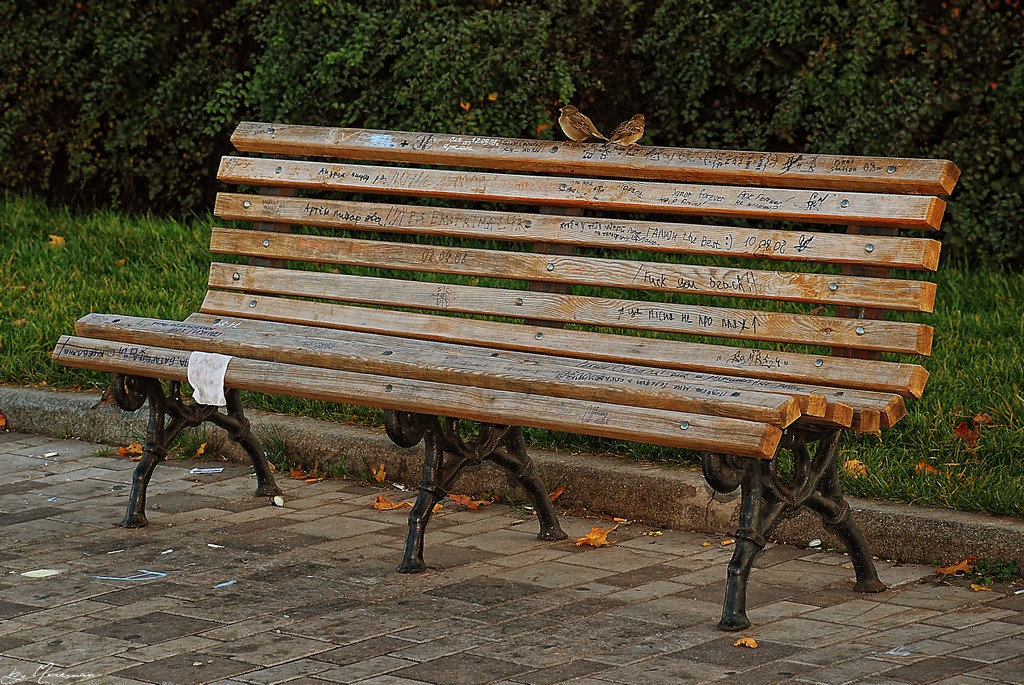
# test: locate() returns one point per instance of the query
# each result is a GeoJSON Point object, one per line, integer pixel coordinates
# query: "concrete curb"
{"type": "Point", "coordinates": [659, 496]}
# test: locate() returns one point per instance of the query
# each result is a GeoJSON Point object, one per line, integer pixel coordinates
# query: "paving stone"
{"type": "Point", "coordinates": [802, 632]}
{"type": "Point", "coordinates": [486, 591]}
{"type": "Point", "coordinates": [446, 645]}
{"type": "Point", "coordinates": [287, 672]}
{"type": "Point", "coordinates": [993, 652]}
{"type": "Point", "coordinates": [153, 628]}
{"type": "Point", "coordinates": [269, 648]}
{"type": "Point", "coordinates": [971, 616]}
{"type": "Point", "coordinates": [562, 673]}
{"type": "Point", "coordinates": [674, 611]}
{"type": "Point", "coordinates": [69, 649]}
{"type": "Point", "coordinates": [964, 679]}
{"type": "Point", "coordinates": [365, 649]}
{"type": "Point", "coordinates": [724, 653]}
{"type": "Point", "coordinates": [1014, 602]}
{"type": "Point", "coordinates": [931, 669]}
{"type": "Point", "coordinates": [770, 673]}
{"type": "Point", "coordinates": [669, 670]}
{"type": "Point", "coordinates": [871, 614]}
{"type": "Point", "coordinates": [984, 632]}
{"type": "Point", "coordinates": [186, 669]}
{"type": "Point", "coordinates": [1010, 671]}
{"type": "Point", "coordinates": [905, 634]}
{"type": "Point", "coordinates": [12, 609]}
{"type": "Point", "coordinates": [850, 671]}
{"type": "Point", "coordinates": [461, 669]}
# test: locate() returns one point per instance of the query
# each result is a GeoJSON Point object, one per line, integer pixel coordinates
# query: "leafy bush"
{"type": "Point", "coordinates": [131, 105]}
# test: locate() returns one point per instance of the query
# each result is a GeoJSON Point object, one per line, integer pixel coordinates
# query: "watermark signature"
{"type": "Point", "coordinates": [46, 674]}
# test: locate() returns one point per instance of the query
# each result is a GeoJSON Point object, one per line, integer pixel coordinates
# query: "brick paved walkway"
{"type": "Point", "coordinates": [225, 588]}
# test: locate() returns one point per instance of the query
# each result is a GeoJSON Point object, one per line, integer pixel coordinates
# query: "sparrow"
{"type": "Point", "coordinates": [628, 132]}
{"type": "Point", "coordinates": [577, 125]}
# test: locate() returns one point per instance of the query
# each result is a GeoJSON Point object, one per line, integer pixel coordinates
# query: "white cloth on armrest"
{"type": "Point", "coordinates": [206, 375]}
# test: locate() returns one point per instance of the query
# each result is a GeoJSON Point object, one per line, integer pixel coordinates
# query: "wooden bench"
{"type": "Point", "coordinates": [727, 302]}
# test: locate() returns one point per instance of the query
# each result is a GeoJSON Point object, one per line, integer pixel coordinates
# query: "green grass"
{"type": "Point", "coordinates": [156, 267]}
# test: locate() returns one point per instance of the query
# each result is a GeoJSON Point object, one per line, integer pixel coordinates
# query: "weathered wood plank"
{"type": "Point", "coordinates": [446, 363]}
{"type": "Point", "coordinates": [655, 426]}
{"type": "Point", "coordinates": [890, 293]}
{"type": "Point", "coordinates": [793, 169]}
{"type": "Point", "coordinates": [612, 232]}
{"type": "Point", "coordinates": [834, 406]}
{"type": "Point", "coordinates": [886, 336]}
{"type": "Point", "coordinates": [836, 207]}
{"type": "Point", "coordinates": [759, 365]}
{"type": "Point", "coordinates": [828, 405]}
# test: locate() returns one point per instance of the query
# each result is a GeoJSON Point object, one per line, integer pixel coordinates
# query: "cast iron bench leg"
{"type": "Point", "coordinates": [430, 493]}
{"type": "Point", "coordinates": [765, 499]}
{"type": "Point", "coordinates": [517, 461]}
{"type": "Point", "coordinates": [131, 392]}
{"type": "Point", "coordinates": [503, 445]}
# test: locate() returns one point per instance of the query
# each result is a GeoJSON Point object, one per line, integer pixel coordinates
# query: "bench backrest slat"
{"type": "Point", "coordinates": [618, 232]}
{"type": "Point", "coordinates": [656, 276]}
{"type": "Point", "coordinates": [668, 317]}
{"type": "Point", "coordinates": [772, 169]}
{"type": "Point", "coordinates": [836, 207]}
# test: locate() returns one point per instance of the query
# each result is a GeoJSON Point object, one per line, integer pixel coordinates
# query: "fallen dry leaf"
{"type": "Point", "coordinates": [384, 504]}
{"type": "Point", "coordinates": [597, 537]}
{"type": "Point", "coordinates": [200, 450]}
{"type": "Point", "coordinates": [120, 262]}
{"type": "Point", "coordinates": [967, 434]}
{"type": "Point", "coordinates": [469, 502]}
{"type": "Point", "coordinates": [965, 566]}
{"type": "Point", "coordinates": [133, 449]}
{"type": "Point", "coordinates": [981, 419]}
{"type": "Point", "coordinates": [980, 588]}
{"type": "Point", "coordinates": [492, 96]}
{"type": "Point", "coordinates": [855, 468]}
{"type": "Point", "coordinates": [379, 474]}
{"type": "Point", "coordinates": [298, 473]}
{"type": "Point", "coordinates": [556, 493]}
{"type": "Point", "coordinates": [3, 422]}
{"type": "Point", "coordinates": [56, 240]}
{"type": "Point", "coordinates": [746, 642]}
{"type": "Point", "coordinates": [925, 467]}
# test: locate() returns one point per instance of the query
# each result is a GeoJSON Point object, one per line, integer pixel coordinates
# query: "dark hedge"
{"type": "Point", "coordinates": [131, 104]}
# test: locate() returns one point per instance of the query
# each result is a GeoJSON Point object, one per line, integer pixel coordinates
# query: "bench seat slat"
{"type": "Point", "coordinates": [857, 291]}
{"type": "Point", "coordinates": [782, 204]}
{"type": "Point", "coordinates": [907, 380]}
{"type": "Point", "coordinates": [669, 428]}
{"type": "Point", "coordinates": [800, 170]}
{"type": "Point", "coordinates": [598, 352]}
{"type": "Point", "coordinates": [618, 233]}
{"type": "Point", "coordinates": [886, 336]}
{"type": "Point", "coordinates": [826, 405]}
{"type": "Point", "coordinates": [448, 363]}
